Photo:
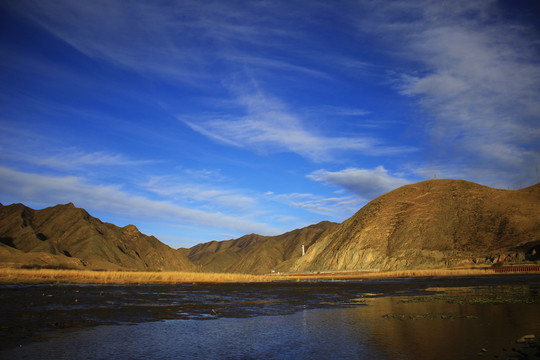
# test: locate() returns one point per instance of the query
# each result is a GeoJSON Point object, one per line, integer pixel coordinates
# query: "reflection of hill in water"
{"type": "Point", "coordinates": [436, 328]}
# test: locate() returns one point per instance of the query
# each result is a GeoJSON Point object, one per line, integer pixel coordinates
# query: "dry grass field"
{"type": "Point", "coordinates": [395, 274]}
{"type": "Point", "coordinates": [117, 277]}
{"type": "Point", "coordinates": [25, 276]}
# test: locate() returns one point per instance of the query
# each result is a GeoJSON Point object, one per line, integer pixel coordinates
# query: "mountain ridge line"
{"type": "Point", "coordinates": [438, 223]}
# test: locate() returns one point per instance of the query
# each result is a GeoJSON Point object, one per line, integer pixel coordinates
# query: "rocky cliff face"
{"type": "Point", "coordinates": [66, 236]}
{"type": "Point", "coordinates": [432, 224]}
{"type": "Point", "coordinates": [257, 254]}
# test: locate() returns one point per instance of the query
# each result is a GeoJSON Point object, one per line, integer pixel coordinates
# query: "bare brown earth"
{"type": "Point", "coordinates": [64, 236]}
{"type": "Point", "coordinates": [428, 225]}
{"type": "Point", "coordinates": [433, 224]}
{"type": "Point", "coordinates": [257, 254]}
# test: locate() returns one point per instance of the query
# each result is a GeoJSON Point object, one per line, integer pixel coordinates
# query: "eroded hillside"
{"type": "Point", "coordinates": [432, 224]}
{"type": "Point", "coordinates": [66, 236]}
{"type": "Point", "coordinates": [257, 254]}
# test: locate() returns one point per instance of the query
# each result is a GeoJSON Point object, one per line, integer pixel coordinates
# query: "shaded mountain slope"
{"type": "Point", "coordinates": [431, 224]}
{"type": "Point", "coordinates": [66, 236]}
{"type": "Point", "coordinates": [257, 254]}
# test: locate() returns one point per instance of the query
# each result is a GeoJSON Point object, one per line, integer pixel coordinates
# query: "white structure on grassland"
{"type": "Point", "coordinates": [303, 250]}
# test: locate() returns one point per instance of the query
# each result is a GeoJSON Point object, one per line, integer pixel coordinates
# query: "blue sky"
{"type": "Point", "coordinates": [208, 120]}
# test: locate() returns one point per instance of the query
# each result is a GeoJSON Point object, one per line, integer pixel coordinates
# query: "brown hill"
{"type": "Point", "coordinates": [66, 236]}
{"type": "Point", "coordinates": [257, 254]}
{"type": "Point", "coordinates": [431, 224]}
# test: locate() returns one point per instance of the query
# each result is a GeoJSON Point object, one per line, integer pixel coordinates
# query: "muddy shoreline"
{"type": "Point", "coordinates": [32, 313]}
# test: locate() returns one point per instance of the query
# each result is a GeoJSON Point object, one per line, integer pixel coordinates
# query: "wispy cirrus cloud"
{"type": "Point", "coordinates": [76, 158]}
{"type": "Point", "coordinates": [32, 148]}
{"type": "Point", "coordinates": [164, 39]}
{"type": "Point", "coordinates": [269, 126]}
{"type": "Point", "coordinates": [48, 189]}
{"type": "Point", "coordinates": [183, 189]}
{"type": "Point", "coordinates": [477, 76]}
{"type": "Point", "coordinates": [134, 35]}
{"type": "Point", "coordinates": [337, 207]}
{"type": "Point", "coordinates": [366, 183]}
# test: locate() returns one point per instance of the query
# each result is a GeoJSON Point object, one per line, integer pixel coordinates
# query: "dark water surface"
{"type": "Point", "coordinates": [421, 318]}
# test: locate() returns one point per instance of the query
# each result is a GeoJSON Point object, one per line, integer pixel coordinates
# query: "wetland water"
{"type": "Point", "coordinates": [420, 318]}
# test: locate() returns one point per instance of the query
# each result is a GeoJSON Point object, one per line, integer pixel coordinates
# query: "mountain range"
{"type": "Point", "coordinates": [64, 236]}
{"type": "Point", "coordinates": [430, 224]}
{"type": "Point", "coordinates": [257, 254]}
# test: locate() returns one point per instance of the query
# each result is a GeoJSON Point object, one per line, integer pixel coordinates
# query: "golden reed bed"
{"type": "Point", "coordinates": [117, 277]}
{"type": "Point", "coordinates": [13, 276]}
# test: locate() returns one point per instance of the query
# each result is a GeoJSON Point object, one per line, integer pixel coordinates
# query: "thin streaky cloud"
{"type": "Point", "coordinates": [112, 199]}
{"type": "Point", "coordinates": [479, 82]}
{"type": "Point", "coordinates": [99, 158]}
{"type": "Point", "coordinates": [269, 126]}
{"type": "Point", "coordinates": [186, 190]}
{"type": "Point", "coordinates": [164, 40]}
{"type": "Point", "coordinates": [329, 206]}
{"type": "Point", "coordinates": [68, 158]}
{"type": "Point", "coordinates": [272, 65]}
{"type": "Point", "coordinates": [366, 183]}
{"type": "Point", "coordinates": [208, 132]}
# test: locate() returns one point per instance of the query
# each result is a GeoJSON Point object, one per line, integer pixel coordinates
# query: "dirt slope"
{"type": "Point", "coordinates": [66, 236]}
{"type": "Point", "coordinates": [431, 224]}
{"type": "Point", "coordinates": [257, 254]}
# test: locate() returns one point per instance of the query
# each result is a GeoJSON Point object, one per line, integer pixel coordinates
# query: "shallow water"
{"type": "Point", "coordinates": [376, 319]}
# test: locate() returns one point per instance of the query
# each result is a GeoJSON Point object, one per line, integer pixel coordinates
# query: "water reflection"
{"type": "Point", "coordinates": [387, 328]}
{"type": "Point", "coordinates": [404, 320]}
{"type": "Point", "coordinates": [438, 329]}
{"type": "Point", "coordinates": [312, 334]}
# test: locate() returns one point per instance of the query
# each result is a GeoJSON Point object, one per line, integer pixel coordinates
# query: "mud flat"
{"type": "Point", "coordinates": [406, 318]}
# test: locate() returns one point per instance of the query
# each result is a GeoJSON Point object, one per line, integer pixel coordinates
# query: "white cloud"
{"type": "Point", "coordinates": [366, 183]}
{"type": "Point", "coordinates": [150, 39]}
{"type": "Point", "coordinates": [32, 147]}
{"type": "Point", "coordinates": [45, 189]}
{"type": "Point", "coordinates": [336, 110]}
{"type": "Point", "coordinates": [74, 158]}
{"type": "Point", "coordinates": [273, 65]}
{"type": "Point", "coordinates": [270, 126]}
{"type": "Point", "coordinates": [139, 36]}
{"type": "Point", "coordinates": [182, 189]}
{"type": "Point", "coordinates": [338, 208]}
{"type": "Point", "coordinates": [164, 39]}
{"type": "Point", "coordinates": [477, 75]}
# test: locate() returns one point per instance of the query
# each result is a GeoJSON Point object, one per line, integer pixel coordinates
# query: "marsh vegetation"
{"type": "Point", "coordinates": [66, 276]}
